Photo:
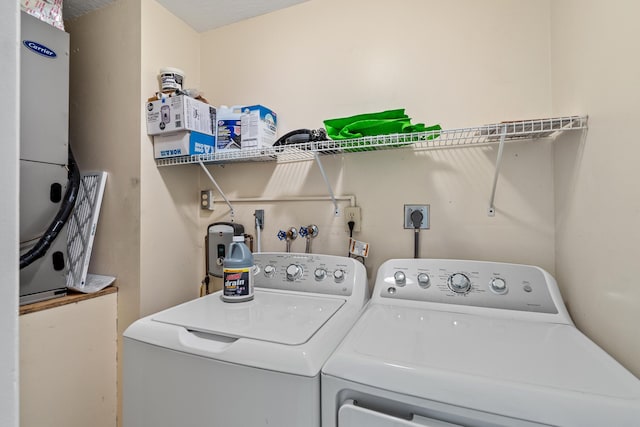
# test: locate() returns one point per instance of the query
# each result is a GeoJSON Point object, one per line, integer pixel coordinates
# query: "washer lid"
{"type": "Point", "coordinates": [282, 318]}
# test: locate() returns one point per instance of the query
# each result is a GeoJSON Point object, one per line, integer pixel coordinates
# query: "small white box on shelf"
{"type": "Point", "coordinates": [180, 113]}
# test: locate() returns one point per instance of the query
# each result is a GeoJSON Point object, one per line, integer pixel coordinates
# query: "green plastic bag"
{"type": "Point", "coordinates": [372, 124]}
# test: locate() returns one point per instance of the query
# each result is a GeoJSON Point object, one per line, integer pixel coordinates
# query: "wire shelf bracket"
{"type": "Point", "coordinates": [206, 171]}
{"type": "Point", "coordinates": [503, 137]}
{"type": "Point", "coordinates": [336, 211]}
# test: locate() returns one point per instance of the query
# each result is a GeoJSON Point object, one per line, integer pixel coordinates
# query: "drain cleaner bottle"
{"type": "Point", "coordinates": [238, 270]}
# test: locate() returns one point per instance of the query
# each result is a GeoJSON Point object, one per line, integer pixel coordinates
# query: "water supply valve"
{"type": "Point", "coordinates": [288, 236]}
{"type": "Point", "coordinates": [309, 232]}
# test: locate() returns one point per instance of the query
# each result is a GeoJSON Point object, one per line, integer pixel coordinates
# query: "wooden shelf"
{"type": "Point", "coordinates": [71, 298]}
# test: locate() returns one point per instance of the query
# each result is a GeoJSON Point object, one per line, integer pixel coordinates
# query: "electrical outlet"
{"type": "Point", "coordinates": [408, 209]}
{"type": "Point", "coordinates": [352, 213]}
{"type": "Point", "coordinates": [206, 200]}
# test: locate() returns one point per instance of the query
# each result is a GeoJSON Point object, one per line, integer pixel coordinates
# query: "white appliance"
{"type": "Point", "coordinates": [44, 154]}
{"type": "Point", "coordinates": [256, 363]}
{"type": "Point", "coordinates": [468, 343]}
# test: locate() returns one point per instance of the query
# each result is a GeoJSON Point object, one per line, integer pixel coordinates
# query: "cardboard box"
{"type": "Point", "coordinates": [259, 127]}
{"type": "Point", "coordinates": [185, 143]}
{"type": "Point", "coordinates": [180, 113]}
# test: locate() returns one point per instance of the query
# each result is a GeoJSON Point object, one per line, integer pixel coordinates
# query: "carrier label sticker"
{"type": "Point", "coordinates": [38, 48]}
{"type": "Point", "coordinates": [236, 282]}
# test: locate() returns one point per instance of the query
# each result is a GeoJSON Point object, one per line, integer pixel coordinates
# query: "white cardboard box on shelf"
{"type": "Point", "coordinates": [180, 113]}
{"type": "Point", "coordinates": [184, 143]}
{"type": "Point", "coordinates": [259, 126]}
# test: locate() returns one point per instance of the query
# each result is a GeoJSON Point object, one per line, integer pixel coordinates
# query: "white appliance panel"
{"type": "Point", "coordinates": [169, 388]}
{"type": "Point", "coordinates": [44, 92]}
{"type": "Point", "coordinates": [387, 405]}
{"type": "Point", "coordinates": [36, 208]}
{"type": "Point", "coordinates": [350, 415]}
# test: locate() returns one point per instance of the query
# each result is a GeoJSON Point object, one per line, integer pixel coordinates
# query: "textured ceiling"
{"type": "Point", "coordinates": [201, 15]}
{"type": "Point", "coordinates": [75, 8]}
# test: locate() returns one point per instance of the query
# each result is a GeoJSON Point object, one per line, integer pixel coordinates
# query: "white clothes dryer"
{"type": "Point", "coordinates": [213, 363]}
{"type": "Point", "coordinates": [469, 343]}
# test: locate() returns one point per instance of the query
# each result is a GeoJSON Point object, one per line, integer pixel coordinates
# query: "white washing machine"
{"type": "Point", "coordinates": [257, 363]}
{"type": "Point", "coordinates": [468, 343]}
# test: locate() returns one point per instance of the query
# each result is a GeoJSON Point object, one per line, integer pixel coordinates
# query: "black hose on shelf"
{"type": "Point", "coordinates": [299, 136]}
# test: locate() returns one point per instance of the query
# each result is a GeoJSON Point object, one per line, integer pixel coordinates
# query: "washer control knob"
{"type": "Point", "coordinates": [320, 274]}
{"type": "Point", "coordinates": [400, 278]}
{"type": "Point", "coordinates": [269, 270]}
{"type": "Point", "coordinates": [294, 272]}
{"type": "Point", "coordinates": [338, 276]}
{"type": "Point", "coordinates": [423, 280]}
{"type": "Point", "coordinates": [459, 283]}
{"type": "Point", "coordinates": [498, 285]}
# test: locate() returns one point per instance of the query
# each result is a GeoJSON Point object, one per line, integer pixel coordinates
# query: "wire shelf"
{"type": "Point", "coordinates": [486, 134]}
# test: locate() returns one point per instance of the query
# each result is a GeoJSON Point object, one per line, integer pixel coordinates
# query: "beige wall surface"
{"type": "Point", "coordinates": [597, 192]}
{"type": "Point", "coordinates": [457, 63]}
{"type": "Point", "coordinates": [68, 365]}
{"type": "Point", "coordinates": [171, 247]}
{"type": "Point", "coordinates": [148, 222]}
{"type": "Point", "coordinates": [105, 132]}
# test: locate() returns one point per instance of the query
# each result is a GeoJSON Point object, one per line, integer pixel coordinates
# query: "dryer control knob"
{"type": "Point", "coordinates": [459, 283]}
{"type": "Point", "coordinates": [338, 276]}
{"type": "Point", "coordinates": [400, 278]}
{"type": "Point", "coordinates": [498, 285]}
{"type": "Point", "coordinates": [269, 270]}
{"type": "Point", "coordinates": [294, 272]}
{"type": "Point", "coordinates": [423, 280]}
{"type": "Point", "coordinates": [320, 274]}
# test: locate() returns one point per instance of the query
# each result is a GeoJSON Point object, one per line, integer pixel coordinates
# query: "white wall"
{"type": "Point", "coordinates": [9, 123]}
{"type": "Point", "coordinates": [457, 63]}
{"type": "Point", "coordinates": [595, 70]}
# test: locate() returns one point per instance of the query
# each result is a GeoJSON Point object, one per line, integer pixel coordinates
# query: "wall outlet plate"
{"type": "Point", "coordinates": [408, 209]}
{"type": "Point", "coordinates": [206, 200]}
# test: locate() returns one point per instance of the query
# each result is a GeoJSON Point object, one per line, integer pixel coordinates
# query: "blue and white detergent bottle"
{"type": "Point", "coordinates": [238, 270]}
